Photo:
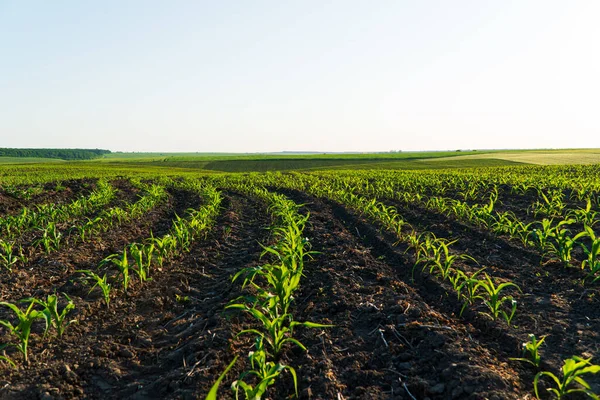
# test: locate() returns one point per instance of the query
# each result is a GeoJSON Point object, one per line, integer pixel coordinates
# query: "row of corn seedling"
{"type": "Point", "coordinates": [574, 369]}
{"type": "Point", "coordinates": [45, 219]}
{"type": "Point", "coordinates": [11, 252]}
{"type": "Point", "coordinates": [36, 309]}
{"type": "Point", "coordinates": [41, 215]}
{"type": "Point", "coordinates": [431, 254]}
{"type": "Point", "coordinates": [271, 288]}
{"type": "Point", "coordinates": [115, 216]}
{"type": "Point", "coordinates": [553, 239]}
{"type": "Point", "coordinates": [138, 259]}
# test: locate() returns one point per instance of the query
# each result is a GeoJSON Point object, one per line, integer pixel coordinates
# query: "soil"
{"type": "Point", "coordinates": [392, 337]}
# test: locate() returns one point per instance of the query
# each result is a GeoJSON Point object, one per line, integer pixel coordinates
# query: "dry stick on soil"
{"type": "Point", "coordinates": [448, 328]}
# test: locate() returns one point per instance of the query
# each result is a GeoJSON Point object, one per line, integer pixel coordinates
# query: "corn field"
{"type": "Point", "coordinates": [448, 284]}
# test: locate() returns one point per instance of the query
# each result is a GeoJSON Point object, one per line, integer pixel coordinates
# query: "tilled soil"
{"type": "Point", "coordinates": [166, 339]}
{"type": "Point", "coordinates": [392, 337]}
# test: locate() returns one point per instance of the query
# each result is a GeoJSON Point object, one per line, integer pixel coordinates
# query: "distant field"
{"type": "Point", "coordinates": [28, 160]}
{"type": "Point", "coordinates": [222, 162]}
{"type": "Point", "coordinates": [271, 162]}
{"type": "Point", "coordinates": [204, 157]}
{"type": "Point", "coordinates": [538, 157]}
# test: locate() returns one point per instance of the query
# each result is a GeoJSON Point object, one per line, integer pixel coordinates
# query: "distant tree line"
{"type": "Point", "coordinates": [63, 154]}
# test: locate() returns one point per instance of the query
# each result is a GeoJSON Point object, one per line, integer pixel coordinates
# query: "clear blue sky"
{"type": "Point", "coordinates": [343, 75]}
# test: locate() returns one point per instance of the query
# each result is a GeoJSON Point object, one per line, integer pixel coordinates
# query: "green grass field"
{"type": "Point", "coordinates": [222, 162]}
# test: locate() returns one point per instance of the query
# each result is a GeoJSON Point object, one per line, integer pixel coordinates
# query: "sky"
{"type": "Point", "coordinates": [309, 75]}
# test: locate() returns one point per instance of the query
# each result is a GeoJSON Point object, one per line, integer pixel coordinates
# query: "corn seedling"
{"type": "Point", "coordinates": [182, 234]}
{"type": "Point", "coordinates": [51, 314]}
{"type": "Point", "coordinates": [278, 329]}
{"type": "Point", "coordinates": [23, 329]}
{"type": "Point", "coordinates": [493, 299]}
{"type": "Point", "coordinates": [265, 372]}
{"type": "Point", "coordinates": [572, 371]}
{"type": "Point", "coordinates": [122, 264]}
{"type": "Point", "coordinates": [142, 256]}
{"type": "Point", "coordinates": [87, 229]}
{"type": "Point", "coordinates": [164, 247]}
{"type": "Point", "coordinates": [561, 243]}
{"type": "Point", "coordinates": [467, 290]}
{"type": "Point", "coordinates": [212, 394]}
{"type": "Point", "coordinates": [9, 257]}
{"type": "Point", "coordinates": [50, 239]}
{"type": "Point", "coordinates": [441, 261]}
{"type": "Point", "coordinates": [101, 282]}
{"type": "Point", "coordinates": [592, 261]}
{"type": "Point", "coordinates": [541, 236]}
{"type": "Point", "coordinates": [585, 215]}
{"type": "Point", "coordinates": [552, 205]}
{"type": "Point", "coordinates": [531, 353]}
{"type": "Point", "coordinates": [456, 280]}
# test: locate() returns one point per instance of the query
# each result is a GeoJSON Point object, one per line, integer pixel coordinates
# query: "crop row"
{"type": "Point", "coordinates": [270, 291]}
{"type": "Point", "coordinates": [115, 270]}
{"type": "Point", "coordinates": [434, 254]}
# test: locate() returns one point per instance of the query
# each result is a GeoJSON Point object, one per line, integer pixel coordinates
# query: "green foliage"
{"type": "Point", "coordinates": [50, 311]}
{"type": "Point", "coordinates": [572, 374]}
{"type": "Point", "coordinates": [22, 329]}
{"type": "Point", "coordinates": [493, 299]}
{"type": "Point", "coordinates": [97, 280]}
{"type": "Point", "coordinates": [212, 394]}
{"type": "Point", "coordinates": [122, 263]}
{"type": "Point", "coordinates": [263, 371]}
{"type": "Point", "coordinates": [531, 353]}
{"type": "Point", "coordinates": [9, 255]}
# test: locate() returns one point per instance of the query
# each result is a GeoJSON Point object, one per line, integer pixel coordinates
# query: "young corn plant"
{"type": "Point", "coordinates": [142, 256]}
{"type": "Point", "coordinates": [54, 318]}
{"type": "Point", "coordinates": [212, 394]}
{"type": "Point", "coordinates": [23, 329]}
{"type": "Point", "coordinates": [265, 372]}
{"type": "Point", "coordinates": [442, 261]}
{"type": "Point", "coordinates": [561, 242]}
{"type": "Point", "coordinates": [50, 240]}
{"type": "Point", "coordinates": [9, 255]}
{"type": "Point", "coordinates": [493, 300]}
{"type": "Point", "coordinates": [277, 330]}
{"type": "Point", "coordinates": [182, 234]}
{"type": "Point", "coordinates": [585, 215]}
{"type": "Point", "coordinates": [88, 229]}
{"type": "Point", "coordinates": [164, 248]}
{"type": "Point", "coordinates": [122, 263]}
{"type": "Point", "coordinates": [425, 246]}
{"type": "Point", "coordinates": [592, 261]}
{"type": "Point", "coordinates": [572, 371]}
{"type": "Point", "coordinates": [541, 236]}
{"type": "Point", "coordinates": [456, 280]}
{"type": "Point", "coordinates": [467, 290]}
{"type": "Point", "coordinates": [531, 353]}
{"type": "Point", "coordinates": [552, 205]}
{"type": "Point", "coordinates": [101, 282]}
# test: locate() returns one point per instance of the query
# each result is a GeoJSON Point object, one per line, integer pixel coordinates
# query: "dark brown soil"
{"type": "Point", "coordinates": [392, 338]}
